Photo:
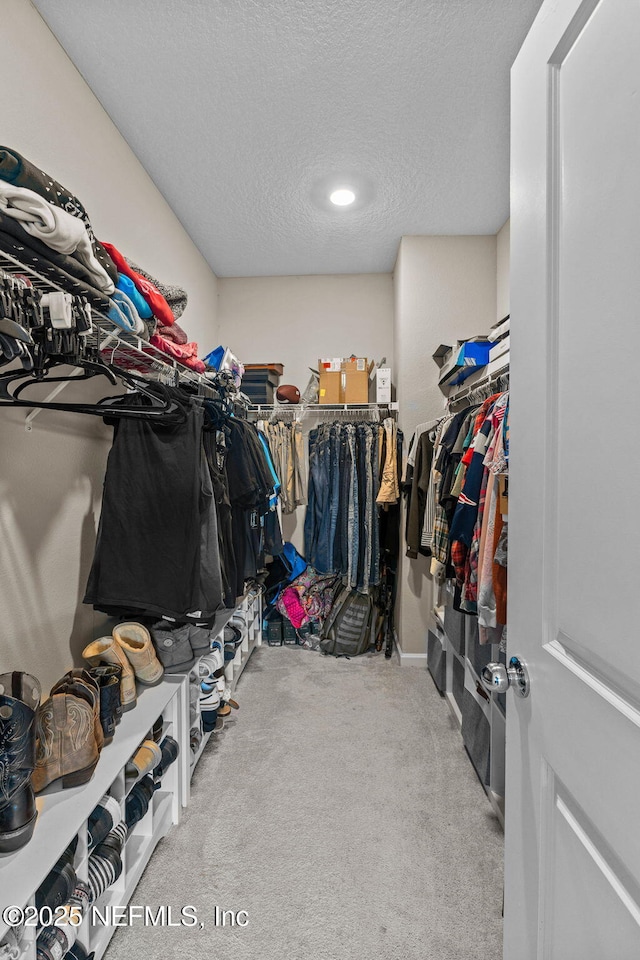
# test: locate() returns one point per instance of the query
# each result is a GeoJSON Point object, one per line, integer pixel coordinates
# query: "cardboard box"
{"type": "Point", "coordinates": [354, 386]}
{"type": "Point", "coordinates": [383, 385]}
{"type": "Point", "coordinates": [329, 386]}
{"type": "Point", "coordinates": [344, 381]}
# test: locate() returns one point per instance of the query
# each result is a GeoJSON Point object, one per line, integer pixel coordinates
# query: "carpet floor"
{"type": "Point", "coordinates": [339, 809]}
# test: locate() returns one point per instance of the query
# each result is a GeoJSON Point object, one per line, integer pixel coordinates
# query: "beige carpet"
{"type": "Point", "coordinates": [339, 809]}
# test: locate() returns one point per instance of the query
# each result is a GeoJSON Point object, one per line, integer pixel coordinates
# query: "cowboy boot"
{"type": "Point", "coordinates": [68, 684]}
{"type": "Point", "coordinates": [19, 698]}
{"type": "Point", "coordinates": [106, 650]}
{"type": "Point", "coordinates": [66, 747]}
{"type": "Point", "coordinates": [135, 641]}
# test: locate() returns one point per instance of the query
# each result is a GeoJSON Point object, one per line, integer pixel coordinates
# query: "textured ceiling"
{"type": "Point", "coordinates": [246, 112]}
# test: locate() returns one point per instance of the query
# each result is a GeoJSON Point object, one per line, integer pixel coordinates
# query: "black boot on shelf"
{"type": "Point", "coordinates": [19, 698]}
{"type": "Point", "coordinates": [108, 676]}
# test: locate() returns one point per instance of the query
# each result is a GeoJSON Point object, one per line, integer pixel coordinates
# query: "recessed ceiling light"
{"type": "Point", "coordinates": [342, 197]}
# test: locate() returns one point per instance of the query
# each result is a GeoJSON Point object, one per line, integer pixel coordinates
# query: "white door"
{"type": "Point", "coordinates": [572, 889]}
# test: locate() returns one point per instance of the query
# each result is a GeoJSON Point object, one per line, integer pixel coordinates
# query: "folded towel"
{"type": "Point", "coordinates": [127, 286]}
{"type": "Point", "coordinates": [19, 171]}
{"type": "Point", "coordinates": [54, 226]}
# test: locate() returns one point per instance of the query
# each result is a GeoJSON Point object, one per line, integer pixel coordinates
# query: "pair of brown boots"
{"type": "Point", "coordinates": [69, 735]}
{"type": "Point", "coordinates": [69, 729]}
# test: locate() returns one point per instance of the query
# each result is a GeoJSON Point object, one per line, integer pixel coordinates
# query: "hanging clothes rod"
{"type": "Point", "coordinates": [320, 407]}
{"type": "Point", "coordinates": [502, 373]}
{"type": "Point", "coordinates": [332, 411]}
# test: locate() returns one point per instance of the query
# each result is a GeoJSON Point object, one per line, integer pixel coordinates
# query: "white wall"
{"type": "Point", "coordinates": [503, 252]}
{"type": "Point", "coordinates": [52, 477]}
{"type": "Point", "coordinates": [445, 289]}
{"type": "Point", "coordinates": [297, 320]}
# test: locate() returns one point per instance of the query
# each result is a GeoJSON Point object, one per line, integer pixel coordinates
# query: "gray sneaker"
{"type": "Point", "coordinates": [173, 646]}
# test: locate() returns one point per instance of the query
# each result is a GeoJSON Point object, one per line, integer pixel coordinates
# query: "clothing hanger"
{"type": "Point", "coordinates": [163, 406]}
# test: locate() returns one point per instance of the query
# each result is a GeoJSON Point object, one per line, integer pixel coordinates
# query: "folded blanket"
{"type": "Point", "coordinates": [160, 307]}
{"type": "Point", "coordinates": [175, 296]}
{"type": "Point", "coordinates": [187, 353]}
{"type": "Point", "coordinates": [175, 333]}
{"type": "Point", "coordinates": [19, 171]}
{"type": "Point", "coordinates": [54, 226]}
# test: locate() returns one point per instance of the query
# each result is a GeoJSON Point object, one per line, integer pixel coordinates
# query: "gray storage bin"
{"type": "Point", "coordinates": [454, 627]}
{"type": "Point", "coordinates": [476, 735]}
{"type": "Point", "coordinates": [436, 661]}
{"type": "Point", "coordinates": [458, 681]}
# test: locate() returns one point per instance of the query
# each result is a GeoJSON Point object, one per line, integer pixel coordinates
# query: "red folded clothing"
{"type": "Point", "coordinates": [175, 333]}
{"type": "Point", "coordinates": [161, 309]}
{"type": "Point", "coordinates": [186, 353]}
{"type": "Point", "coordinates": [195, 364]}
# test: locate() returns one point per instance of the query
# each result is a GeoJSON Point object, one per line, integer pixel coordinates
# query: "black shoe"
{"type": "Point", "coordinates": [103, 819]}
{"type": "Point", "coordinates": [58, 885]}
{"type": "Point", "coordinates": [170, 750]}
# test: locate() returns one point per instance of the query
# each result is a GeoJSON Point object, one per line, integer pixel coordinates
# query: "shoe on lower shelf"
{"type": "Point", "coordinates": [145, 759]}
{"type": "Point", "coordinates": [102, 819]}
{"type": "Point", "coordinates": [103, 871]}
{"type": "Point", "coordinates": [12, 947]}
{"type": "Point", "coordinates": [56, 888]}
{"type": "Point", "coordinates": [170, 750]}
{"type": "Point", "coordinates": [78, 952]}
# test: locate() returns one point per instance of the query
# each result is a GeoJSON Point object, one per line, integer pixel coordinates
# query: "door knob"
{"type": "Point", "coordinates": [496, 678]}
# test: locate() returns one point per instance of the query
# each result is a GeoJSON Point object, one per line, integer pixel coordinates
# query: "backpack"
{"type": "Point", "coordinates": [350, 629]}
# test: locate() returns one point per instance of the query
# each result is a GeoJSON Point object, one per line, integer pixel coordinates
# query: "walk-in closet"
{"type": "Point", "coordinates": [317, 331]}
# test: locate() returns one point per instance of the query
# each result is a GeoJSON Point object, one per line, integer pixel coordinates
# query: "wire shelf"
{"type": "Point", "coordinates": [116, 346]}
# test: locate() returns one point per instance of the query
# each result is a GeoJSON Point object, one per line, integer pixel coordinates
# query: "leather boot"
{"type": "Point", "coordinates": [108, 677]}
{"type": "Point", "coordinates": [106, 650]}
{"type": "Point", "coordinates": [135, 641]}
{"type": "Point", "coordinates": [69, 684]}
{"type": "Point", "coordinates": [66, 747]}
{"type": "Point", "coordinates": [19, 698]}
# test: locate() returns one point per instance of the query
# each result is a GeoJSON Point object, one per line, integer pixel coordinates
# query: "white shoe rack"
{"type": "Point", "coordinates": [249, 614]}
{"type": "Point", "coordinates": [64, 814]}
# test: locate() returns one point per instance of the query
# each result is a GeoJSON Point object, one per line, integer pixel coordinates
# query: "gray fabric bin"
{"type": "Point", "coordinates": [476, 735]}
{"type": "Point", "coordinates": [458, 681]}
{"type": "Point", "coordinates": [454, 627]}
{"type": "Point", "coordinates": [436, 661]}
